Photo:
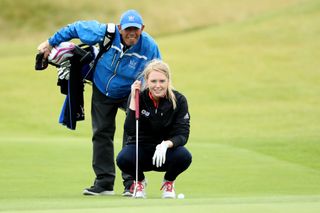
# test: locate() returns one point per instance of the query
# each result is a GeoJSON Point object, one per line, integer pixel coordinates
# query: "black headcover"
{"type": "Point", "coordinates": [41, 62]}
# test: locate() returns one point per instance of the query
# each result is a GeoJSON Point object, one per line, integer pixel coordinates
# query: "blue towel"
{"type": "Point", "coordinates": [73, 106]}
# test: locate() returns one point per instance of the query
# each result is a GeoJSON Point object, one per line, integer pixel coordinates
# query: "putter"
{"type": "Point", "coordinates": [137, 141]}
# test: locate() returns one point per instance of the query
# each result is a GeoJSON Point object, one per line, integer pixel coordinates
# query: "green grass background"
{"type": "Point", "coordinates": [250, 71]}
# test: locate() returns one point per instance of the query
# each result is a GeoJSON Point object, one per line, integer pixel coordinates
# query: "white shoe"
{"type": "Point", "coordinates": [140, 189]}
{"type": "Point", "coordinates": [168, 189]}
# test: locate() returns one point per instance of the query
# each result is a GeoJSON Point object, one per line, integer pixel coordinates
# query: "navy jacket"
{"type": "Point", "coordinates": [158, 124]}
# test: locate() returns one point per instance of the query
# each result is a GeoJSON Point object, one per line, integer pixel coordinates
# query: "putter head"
{"type": "Point", "coordinates": [135, 190]}
{"type": "Point", "coordinates": [41, 62]}
{"type": "Point", "coordinates": [139, 189]}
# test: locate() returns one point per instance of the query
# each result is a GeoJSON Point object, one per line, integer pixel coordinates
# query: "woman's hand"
{"type": "Point", "coordinates": [159, 156]}
{"type": "Point", "coordinates": [134, 87]}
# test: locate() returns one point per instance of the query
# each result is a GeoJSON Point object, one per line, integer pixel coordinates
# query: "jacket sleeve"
{"type": "Point", "coordinates": [89, 32]}
{"type": "Point", "coordinates": [180, 130]}
{"type": "Point", "coordinates": [151, 47]}
{"type": "Point", "coordinates": [156, 52]}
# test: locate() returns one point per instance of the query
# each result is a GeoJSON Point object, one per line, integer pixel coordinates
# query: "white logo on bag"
{"type": "Point", "coordinates": [146, 113]}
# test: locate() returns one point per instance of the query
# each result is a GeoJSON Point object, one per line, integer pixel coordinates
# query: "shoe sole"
{"type": "Point", "coordinates": [167, 197]}
{"type": "Point", "coordinates": [104, 193]}
{"type": "Point", "coordinates": [140, 196]}
{"type": "Point", "coordinates": [127, 194]}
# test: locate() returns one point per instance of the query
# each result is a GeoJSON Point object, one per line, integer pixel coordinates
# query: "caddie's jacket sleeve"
{"type": "Point", "coordinates": [89, 32]}
{"type": "Point", "coordinates": [180, 130]}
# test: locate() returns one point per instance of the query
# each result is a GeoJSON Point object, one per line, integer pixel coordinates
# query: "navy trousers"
{"type": "Point", "coordinates": [177, 160]}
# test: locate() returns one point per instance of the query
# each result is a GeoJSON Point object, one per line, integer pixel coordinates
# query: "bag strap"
{"type": "Point", "coordinates": [108, 38]}
{"type": "Point", "coordinates": [105, 45]}
{"type": "Point", "coordinates": [107, 41]}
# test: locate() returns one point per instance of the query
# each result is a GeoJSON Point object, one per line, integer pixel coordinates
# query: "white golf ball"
{"type": "Point", "coordinates": [180, 196]}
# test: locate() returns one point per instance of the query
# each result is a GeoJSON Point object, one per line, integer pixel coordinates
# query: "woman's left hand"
{"type": "Point", "coordinates": [159, 156]}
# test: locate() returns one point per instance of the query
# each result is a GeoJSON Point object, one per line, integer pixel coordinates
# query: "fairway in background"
{"type": "Point", "coordinates": [40, 18]}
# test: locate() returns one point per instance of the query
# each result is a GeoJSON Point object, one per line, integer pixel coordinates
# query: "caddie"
{"type": "Point", "coordinates": [114, 73]}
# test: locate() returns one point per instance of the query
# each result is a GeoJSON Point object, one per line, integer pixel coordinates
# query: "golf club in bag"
{"type": "Point", "coordinates": [137, 141]}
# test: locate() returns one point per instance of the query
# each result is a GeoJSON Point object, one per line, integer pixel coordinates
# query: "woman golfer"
{"type": "Point", "coordinates": [164, 127]}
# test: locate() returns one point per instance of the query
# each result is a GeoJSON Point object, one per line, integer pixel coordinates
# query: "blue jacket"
{"type": "Point", "coordinates": [116, 70]}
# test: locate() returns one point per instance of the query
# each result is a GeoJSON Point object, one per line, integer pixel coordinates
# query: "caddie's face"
{"type": "Point", "coordinates": [157, 83]}
{"type": "Point", "coordinates": [131, 35]}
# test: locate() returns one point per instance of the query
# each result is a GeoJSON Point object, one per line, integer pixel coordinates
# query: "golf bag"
{"type": "Point", "coordinates": [79, 61]}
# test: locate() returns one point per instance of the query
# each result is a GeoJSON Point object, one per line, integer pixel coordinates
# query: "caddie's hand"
{"type": "Point", "coordinates": [159, 156]}
{"type": "Point", "coordinates": [64, 70]}
{"type": "Point", "coordinates": [45, 48]}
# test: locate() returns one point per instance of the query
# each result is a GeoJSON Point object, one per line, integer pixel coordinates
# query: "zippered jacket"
{"type": "Point", "coordinates": [161, 123]}
{"type": "Point", "coordinates": [116, 70]}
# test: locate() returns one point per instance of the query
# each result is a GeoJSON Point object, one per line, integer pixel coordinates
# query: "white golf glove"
{"type": "Point", "coordinates": [64, 70]}
{"type": "Point", "coordinates": [159, 157]}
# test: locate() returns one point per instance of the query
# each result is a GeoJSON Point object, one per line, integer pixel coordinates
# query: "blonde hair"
{"type": "Point", "coordinates": [160, 66]}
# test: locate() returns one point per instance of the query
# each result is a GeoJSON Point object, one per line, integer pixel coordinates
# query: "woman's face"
{"type": "Point", "coordinates": [157, 83]}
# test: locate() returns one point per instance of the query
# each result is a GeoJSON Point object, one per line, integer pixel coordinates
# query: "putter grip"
{"type": "Point", "coordinates": [137, 104]}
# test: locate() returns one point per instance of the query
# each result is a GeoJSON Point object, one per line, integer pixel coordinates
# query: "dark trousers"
{"type": "Point", "coordinates": [177, 160]}
{"type": "Point", "coordinates": [103, 113]}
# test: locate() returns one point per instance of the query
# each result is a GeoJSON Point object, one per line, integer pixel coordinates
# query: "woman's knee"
{"type": "Point", "coordinates": [125, 158]}
{"type": "Point", "coordinates": [182, 156]}
{"type": "Point", "coordinates": [187, 156]}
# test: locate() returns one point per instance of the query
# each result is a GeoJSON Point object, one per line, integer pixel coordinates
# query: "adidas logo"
{"type": "Point", "coordinates": [186, 117]}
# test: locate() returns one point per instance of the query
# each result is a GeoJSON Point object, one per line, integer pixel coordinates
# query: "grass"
{"type": "Point", "coordinates": [206, 205]}
{"type": "Point", "coordinates": [253, 89]}
{"type": "Point", "coordinates": [257, 83]}
{"type": "Point", "coordinates": [46, 182]}
{"type": "Point", "coordinates": [45, 159]}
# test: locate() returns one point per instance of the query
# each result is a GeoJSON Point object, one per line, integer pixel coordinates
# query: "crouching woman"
{"type": "Point", "coordinates": [164, 127]}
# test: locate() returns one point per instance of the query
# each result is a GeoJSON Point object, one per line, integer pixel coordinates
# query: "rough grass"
{"type": "Point", "coordinates": [28, 20]}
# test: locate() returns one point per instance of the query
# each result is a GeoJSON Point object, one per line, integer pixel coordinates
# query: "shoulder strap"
{"type": "Point", "coordinates": [107, 41]}
{"type": "Point", "coordinates": [106, 44]}
{"type": "Point", "coordinates": [108, 38]}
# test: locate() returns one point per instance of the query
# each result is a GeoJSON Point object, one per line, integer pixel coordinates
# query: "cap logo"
{"type": "Point", "coordinates": [131, 18]}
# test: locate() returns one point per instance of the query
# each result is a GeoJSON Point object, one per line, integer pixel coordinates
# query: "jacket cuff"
{"type": "Point", "coordinates": [131, 113]}
{"type": "Point", "coordinates": [51, 42]}
{"type": "Point", "coordinates": [178, 140]}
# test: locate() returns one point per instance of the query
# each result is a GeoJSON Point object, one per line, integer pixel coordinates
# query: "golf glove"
{"type": "Point", "coordinates": [64, 70]}
{"type": "Point", "coordinates": [159, 157]}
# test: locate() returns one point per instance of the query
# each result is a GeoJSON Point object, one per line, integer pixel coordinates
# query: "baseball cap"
{"type": "Point", "coordinates": [131, 18]}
